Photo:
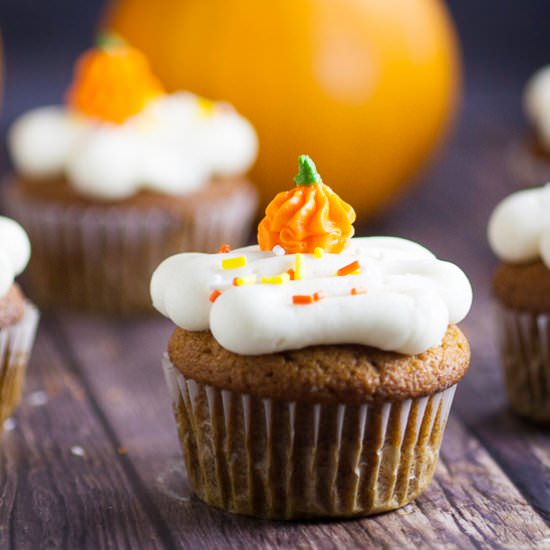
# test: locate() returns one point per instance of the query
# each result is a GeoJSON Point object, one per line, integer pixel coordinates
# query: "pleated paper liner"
{"type": "Point", "coordinates": [101, 258]}
{"type": "Point", "coordinates": [15, 347]}
{"type": "Point", "coordinates": [524, 341]}
{"type": "Point", "coordinates": [285, 460]}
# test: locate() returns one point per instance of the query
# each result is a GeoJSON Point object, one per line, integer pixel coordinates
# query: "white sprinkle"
{"type": "Point", "coordinates": [37, 398]}
{"type": "Point", "coordinates": [77, 450]}
{"type": "Point", "coordinates": [215, 281]}
{"type": "Point", "coordinates": [278, 250]}
{"type": "Point", "coordinates": [9, 424]}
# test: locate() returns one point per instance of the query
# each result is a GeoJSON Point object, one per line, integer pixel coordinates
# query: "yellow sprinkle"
{"type": "Point", "coordinates": [206, 106]}
{"type": "Point", "coordinates": [246, 280]}
{"type": "Point", "coordinates": [298, 266]}
{"type": "Point", "coordinates": [277, 279]}
{"type": "Point", "coordinates": [318, 252]}
{"type": "Point", "coordinates": [234, 263]}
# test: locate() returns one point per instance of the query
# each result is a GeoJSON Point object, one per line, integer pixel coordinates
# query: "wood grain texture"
{"type": "Point", "coordinates": [50, 496]}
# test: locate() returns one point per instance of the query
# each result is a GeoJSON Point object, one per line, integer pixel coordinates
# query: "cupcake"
{"type": "Point", "coordinates": [530, 158]}
{"type": "Point", "coordinates": [519, 235]}
{"type": "Point", "coordinates": [122, 176]}
{"type": "Point", "coordinates": [18, 317]}
{"type": "Point", "coordinates": [312, 375]}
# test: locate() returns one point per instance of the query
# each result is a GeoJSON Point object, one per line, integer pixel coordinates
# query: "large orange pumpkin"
{"type": "Point", "coordinates": [366, 87]}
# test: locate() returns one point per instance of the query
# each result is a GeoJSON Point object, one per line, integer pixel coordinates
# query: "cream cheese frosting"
{"type": "Point", "coordinates": [411, 297]}
{"type": "Point", "coordinates": [519, 227]}
{"type": "Point", "coordinates": [175, 145]}
{"type": "Point", "coordinates": [15, 251]}
{"type": "Point", "coordinates": [536, 101]}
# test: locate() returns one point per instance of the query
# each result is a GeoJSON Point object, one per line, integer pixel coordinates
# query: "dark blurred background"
{"type": "Point", "coordinates": [503, 42]}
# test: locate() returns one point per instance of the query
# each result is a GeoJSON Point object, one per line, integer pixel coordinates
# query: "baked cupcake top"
{"type": "Point", "coordinates": [308, 282]}
{"type": "Point", "coordinates": [120, 132]}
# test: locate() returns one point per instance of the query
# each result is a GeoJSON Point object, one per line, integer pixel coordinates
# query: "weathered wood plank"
{"type": "Point", "coordinates": [62, 484]}
{"type": "Point", "coordinates": [471, 502]}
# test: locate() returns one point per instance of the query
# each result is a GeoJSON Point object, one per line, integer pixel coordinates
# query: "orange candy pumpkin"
{"type": "Point", "coordinates": [309, 216]}
{"type": "Point", "coordinates": [112, 82]}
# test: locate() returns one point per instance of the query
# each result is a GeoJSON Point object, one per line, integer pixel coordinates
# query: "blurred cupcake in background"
{"type": "Point", "coordinates": [530, 158]}
{"type": "Point", "coordinates": [519, 234]}
{"type": "Point", "coordinates": [18, 317]}
{"type": "Point", "coordinates": [122, 176]}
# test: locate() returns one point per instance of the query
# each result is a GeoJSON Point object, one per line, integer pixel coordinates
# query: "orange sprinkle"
{"type": "Point", "coordinates": [291, 273]}
{"type": "Point", "coordinates": [214, 296]}
{"type": "Point", "coordinates": [246, 280]}
{"type": "Point", "coordinates": [301, 300]}
{"type": "Point", "coordinates": [356, 290]}
{"type": "Point", "coordinates": [351, 269]}
{"type": "Point", "coordinates": [319, 295]}
{"type": "Point", "coordinates": [224, 249]}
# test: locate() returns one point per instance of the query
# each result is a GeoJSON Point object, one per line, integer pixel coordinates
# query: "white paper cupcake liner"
{"type": "Point", "coordinates": [15, 347]}
{"type": "Point", "coordinates": [284, 459]}
{"type": "Point", "coordinates": [102, 258]}
{"type": "Point", "coordinates": [524, 341]}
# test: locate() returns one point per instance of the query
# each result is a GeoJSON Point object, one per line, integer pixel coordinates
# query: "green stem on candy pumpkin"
{"type": "Point", "coordinates": [307, 172]}
{"type": "Point", "coordinates": [108, 40]}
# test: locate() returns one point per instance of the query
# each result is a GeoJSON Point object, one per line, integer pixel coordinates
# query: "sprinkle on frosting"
{"type": "Point", "coordinates": [357, 290]}
{"type": "Point", "coordinates": [318, 252]}
{"type": "Point", "coordinates": [245, 280]}
{"type": "Point", "coordinates": [280, 279]}
{"type": "Point", "coordinates": [234, 263]}
{"type": "Point", "coordinates": [302, 299]}
{"type": "Point", "coordinates": [353, 268]}
{"type": "Point", "coordinates": [214, 295]}
{"type": "Point", "coordinates": [308, 216]}
{"type": "Point", "coordinates": [224, 249]}
{"type": "Point", "coordinates": [278, 250]}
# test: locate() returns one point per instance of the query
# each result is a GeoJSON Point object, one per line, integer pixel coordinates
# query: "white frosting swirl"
{"type": "Point", "coordinates": [175, 145]}
{"type": "Point", "coordinates": [411, 298]}
{"type": "Point", "coordinates": [15, 251]}
{"type": "Point", "coordinates": [519, 227]}
{"type": "Point", "coordinates": [536, 101]}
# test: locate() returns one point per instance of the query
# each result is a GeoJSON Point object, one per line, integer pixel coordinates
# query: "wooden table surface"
{"type": "Point", "coordinates": [91, 458]}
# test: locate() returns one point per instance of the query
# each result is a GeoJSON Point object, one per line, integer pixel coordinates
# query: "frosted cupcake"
{"type": "Point", "coordinates": [122, 176]}
{"type": "Point", "coordinates": [18, 317]}
{"type": "Point", "coordinates": [312, 375]}
{"type": "Point", "coordinates": [530, 158]}
{"type": "Point", "coordinates": [519, 234]}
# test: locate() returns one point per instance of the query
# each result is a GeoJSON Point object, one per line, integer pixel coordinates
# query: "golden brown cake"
{"type": "Point", "coordinates": [519, 235]}
{"type": "Point", "coordinates": [312, 375]}
{"type": "Point", "coordinates": [121, 176]}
